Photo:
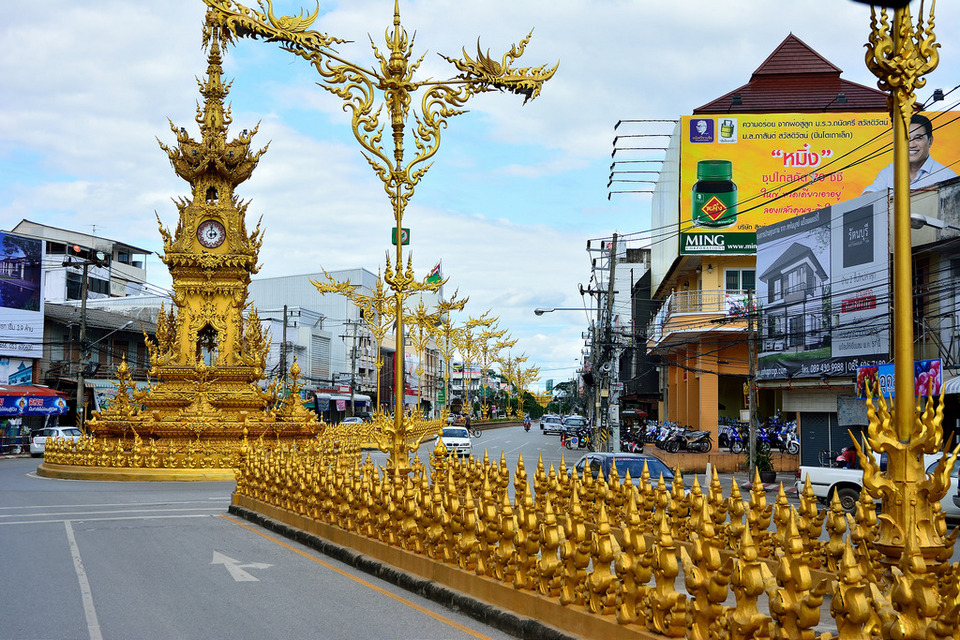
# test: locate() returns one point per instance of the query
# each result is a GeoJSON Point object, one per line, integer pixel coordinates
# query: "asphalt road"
{"type": "Point", "coordinates": [164, 560]}
{"type": "Point", "coordinates": [83, 559]}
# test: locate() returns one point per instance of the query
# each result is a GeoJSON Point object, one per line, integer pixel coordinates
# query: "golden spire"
{"type": "Point", "coordinates": [213, 162]}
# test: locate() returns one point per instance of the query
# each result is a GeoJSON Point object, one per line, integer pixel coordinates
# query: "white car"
{"type": "Point", "coordinates": [38, 441]}
{"type": "Point", "coordinates": [352, 420]}
{"type": "Point", "coordinates": [457, 441]}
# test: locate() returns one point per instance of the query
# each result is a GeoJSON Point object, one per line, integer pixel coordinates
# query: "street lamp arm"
{"type": "Point", "coordinates": [918, 221]}
{"type": "Point", "coordinates": [540, 310]}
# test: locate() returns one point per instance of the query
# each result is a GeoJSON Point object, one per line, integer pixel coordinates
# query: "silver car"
{"type": "Point", "coordinates": [551, 424]}
{"type": "Point", "coordinates": [38, 441]}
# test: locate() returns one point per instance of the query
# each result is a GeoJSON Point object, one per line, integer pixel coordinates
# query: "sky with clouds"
{"type": "Point", "coordinates": [515, 190]}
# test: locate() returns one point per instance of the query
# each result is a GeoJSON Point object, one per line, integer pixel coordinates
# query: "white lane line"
{"type": "Point", "coordinates": [93, 625]}
{"type": "Point", "coordinates": [77, 515]}
{"type": "Point", "coordinates": [199, 515]}
{"type": "Point", "coordinates": [111, 504]}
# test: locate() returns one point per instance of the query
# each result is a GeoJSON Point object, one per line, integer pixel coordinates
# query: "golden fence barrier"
{"type": "Point", "coordinates": [616, 549]}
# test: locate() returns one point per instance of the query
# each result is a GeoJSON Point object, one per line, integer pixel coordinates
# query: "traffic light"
{"type": "Point", "coordinates": [96, 258]}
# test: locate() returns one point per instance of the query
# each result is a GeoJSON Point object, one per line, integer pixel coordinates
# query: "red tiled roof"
{"type": "Point", "coordinates": [797, 79]}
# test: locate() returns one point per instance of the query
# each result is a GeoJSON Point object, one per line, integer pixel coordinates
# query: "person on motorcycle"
{"type": "Point", "coordinates": [526, 423]}
{"type": "Point", "coordinates": [847, 458]}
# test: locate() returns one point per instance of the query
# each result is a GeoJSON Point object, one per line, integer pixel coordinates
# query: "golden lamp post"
{"type": "Point", "coordinates": [489, 345]}
{"type": "Point", "coordinates": [444, 333]}
{"type": "Point", "coordinates": [900, 53]}
{"type": "Point", "coordinates": [510, 366]}
{"type": "Point", "coordinates": [377, 311]}
{"type": "Point", "coordinates": [468, 345]}
{"type": "Point", "coordinates": [392, 78]}
{"type": "Point", "coordinates": [524, 378]}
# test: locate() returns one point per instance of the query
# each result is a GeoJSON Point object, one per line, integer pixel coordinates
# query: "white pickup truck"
{"type": "Point", "coordinates": [847, 483]}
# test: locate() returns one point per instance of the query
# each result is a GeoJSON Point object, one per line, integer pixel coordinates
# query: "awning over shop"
{"type": "Point", "coordinates": [324, 400]}
{"type": "Point", "coordinates": [951, 386]}
{"type": "Point", "coordinates": [31, 401]}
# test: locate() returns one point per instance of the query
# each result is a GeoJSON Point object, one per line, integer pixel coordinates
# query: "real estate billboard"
{"type": "Point", "coordinates": [21, 296]}
{"type": "Point", "coordinates": [741, 172]}
{"type": "Point", "coordinates": [823, 291]}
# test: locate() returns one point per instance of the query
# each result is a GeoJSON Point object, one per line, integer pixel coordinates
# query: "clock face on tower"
{"type": "Point", "coordinates": [211, 234]}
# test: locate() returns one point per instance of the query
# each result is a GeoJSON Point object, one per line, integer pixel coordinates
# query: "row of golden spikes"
{"type": "Point", "coordinates": [613, 539]}
{"type": "Point", "coordinates": [196, 453]}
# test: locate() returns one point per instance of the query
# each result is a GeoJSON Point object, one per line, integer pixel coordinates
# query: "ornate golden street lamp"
{"type": "Point", "coordinates": [489, 345]}
{"type": "Point", "coordinates": [510, 367]}
{"type": "Point", "coordinates": [524, 378]}
{"type": "Point", "coordinates": [900, 53]}
{"type": "Point", "coordinates": [420, 338]}
{"type": "Point", "coordinates": [469, 347]}
{"type": "Point", "coordinates": [358, 87]}
{"type": "Point", "coordinates": [377, 313]}
{"type": "Point", "coordinates": [444, 334]}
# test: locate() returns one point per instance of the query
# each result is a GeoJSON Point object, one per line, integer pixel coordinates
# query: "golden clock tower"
{"type": "Point", "coordinates": [209, 353]}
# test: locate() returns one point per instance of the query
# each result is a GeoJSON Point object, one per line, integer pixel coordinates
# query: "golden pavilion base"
{"type": "Point", "coordinates": [74, 472]}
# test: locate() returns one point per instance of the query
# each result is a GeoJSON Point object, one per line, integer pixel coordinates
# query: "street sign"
{"type": "Point", "coordinates": [404, 235]}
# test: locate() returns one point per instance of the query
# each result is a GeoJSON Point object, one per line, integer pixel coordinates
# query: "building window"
{"type": "Point", "coordinates": [795, 336]}
{"type": "Point", "coordinates": [741, 279]}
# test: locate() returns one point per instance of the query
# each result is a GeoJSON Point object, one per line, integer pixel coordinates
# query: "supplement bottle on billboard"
{"type": "Point", "coordinates": [714, 195]}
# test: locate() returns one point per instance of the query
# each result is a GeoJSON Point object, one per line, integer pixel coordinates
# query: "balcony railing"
{"type": "Point", "coordinates": [719, 302]}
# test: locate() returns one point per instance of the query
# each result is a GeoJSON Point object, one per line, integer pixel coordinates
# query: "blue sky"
{"type": "Point", "coordinates": [515, 191]}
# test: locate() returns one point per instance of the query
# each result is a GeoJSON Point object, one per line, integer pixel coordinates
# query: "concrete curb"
{"type": "Point", "coordinates": [501, 619]}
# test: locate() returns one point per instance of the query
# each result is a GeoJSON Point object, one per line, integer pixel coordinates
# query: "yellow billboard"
{"type": "Point", "coordinates": [739, 172]}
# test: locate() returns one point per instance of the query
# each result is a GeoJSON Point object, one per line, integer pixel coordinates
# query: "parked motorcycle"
{"type": "Point", "coordinates": [724, 432]}
{"type": "Point", "coordinates": [582, 439]}
{"type": "Point", "coordinates": [631, 441]}
{"type": "Point", "coordinates": [784, 437]}
{"type": "Point", "coordinates": [689, 440]}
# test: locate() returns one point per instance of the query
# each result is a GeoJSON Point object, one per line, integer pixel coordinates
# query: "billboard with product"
{"type": "Point", "coordinates": [21, 296]}
{"type": "Point", "coordinates": [927, 379]}
{"type": "Point", "coordinates": [741, 172]}
{"type": "Point", "coordinates": [823, 290]}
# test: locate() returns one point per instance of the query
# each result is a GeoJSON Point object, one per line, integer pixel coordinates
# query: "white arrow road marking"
{"type": "Point", "coordinates": [236, 569]}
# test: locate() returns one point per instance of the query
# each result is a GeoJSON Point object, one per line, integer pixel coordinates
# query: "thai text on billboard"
{"type": "Point", "coordinates": [21, 297]}
{"type": "Point", "coordinates": [741, 172]}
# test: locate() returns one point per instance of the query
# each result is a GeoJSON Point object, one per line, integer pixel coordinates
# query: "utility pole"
{"type": "Point", "coordinates": [353, 363]}
{"type": "Point", "coordinates": [613, 444]}
{"type": "Point", "coordinates": [81, 392]}
{"type": "Point", "coordinates": [283, 349]}
{"type": "Point", "coordinates": [98, 259]}
{"type": "Point", "coordinates": [752, 381]}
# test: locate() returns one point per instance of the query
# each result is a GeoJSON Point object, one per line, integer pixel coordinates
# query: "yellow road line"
{"type": "Point", "coordinates": [365, 583]}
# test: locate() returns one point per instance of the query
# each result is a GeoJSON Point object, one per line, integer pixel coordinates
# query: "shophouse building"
{"type": "Point", "coordinates": [794, 140]}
